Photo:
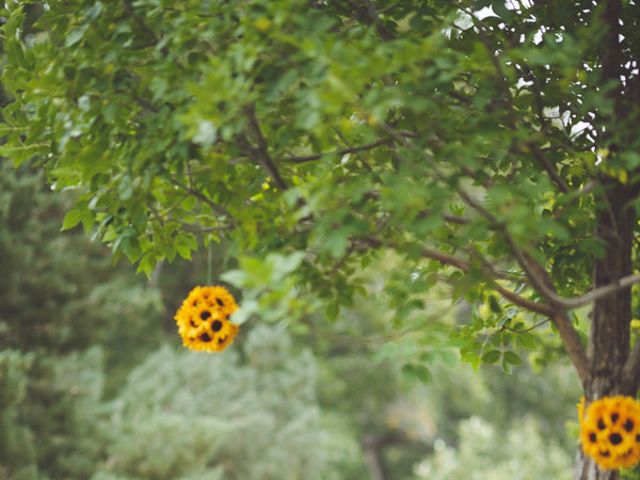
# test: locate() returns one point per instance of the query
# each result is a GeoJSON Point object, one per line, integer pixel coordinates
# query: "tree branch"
{"type": "Point", "coordinates": [529, 329]}
{"type": "Point", "coordinates": [366, 13]}
{"type": "Point", "coordinates": [262, 151]}
{"type": "Point", "coordinates": [142, 26]}
{"type": "Point", "coordinates": [463, 265]}
{"type": "Point", "coordinates": [539, 276]}
{"type": "Point", "coordinates": [541, 281]}
{"type": "Point", "coordinates": [631, 371]}
{"type": "Point", "coordinates": [219, 209]}
{"type": "Point", "coordinates": [601, 292]}
{"type": "Point", "coordinates": [445, 259]}
{"type": "Point", "coordinates": [516, 299]}
{"type": "Point", "coordinates": [540, 157]}
{"type": "Point", "coordinates": [500, 74]}
{"type": "Point", "coordinates": [344, 151]}
{"type": "Point", "coordinates": [573, 345]}
{"type": "Point", "coordinates": [613, 56]}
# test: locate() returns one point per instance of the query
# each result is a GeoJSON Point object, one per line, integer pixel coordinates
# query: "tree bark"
{"type": "Point", "coordinates": [373, 456]}
{"type": "Point", "coordinates": [585, 469]}
{"type": "Point", "coordinates": [611, 316]}
{"type": "Point", "coordinates": [611, 320]}
{"type": "Point", "coordinates": [373, 445]}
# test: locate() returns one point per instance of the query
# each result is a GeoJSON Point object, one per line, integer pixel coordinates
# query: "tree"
{"type": "Point", "coordinates": [492, 146]}
{"type": "Point", "coordinates": [71, 325]}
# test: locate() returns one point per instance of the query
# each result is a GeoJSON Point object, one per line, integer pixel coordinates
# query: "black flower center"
{"type": "Point", "coordinates": [193, 324]}
{"type": "Point", "coordinates": [628, 425]}
{"type": "Point", "coordinates": [592, 437]}
{"type": "Point", "coordinates": [601, 424]}
{"type": "Point", "coordinates": [204, 315]}
{"type": "Point", "coordinates": [205, 337]}
{"type": "Point", "coordinates": [605, 453]}
{"type": "Point", "coordinates": [615, 439]}
{"type": "Point", "coordinates": [614, 418]}
{"type": "Point", "coordinates": [219, 302]}
{"type": "Point", "coordinates": [221, 340]}
{"type": "Point", "coordinates": [216, 325]}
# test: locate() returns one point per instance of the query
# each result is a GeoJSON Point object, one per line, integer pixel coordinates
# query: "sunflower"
{"type": "Point", "coordinates": [204, 319]}
{"type": "Point", "coordinates": [610, 431]}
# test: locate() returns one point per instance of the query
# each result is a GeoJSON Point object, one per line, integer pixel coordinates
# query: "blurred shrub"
{"type": "Point", "coordinates": [186, 415]}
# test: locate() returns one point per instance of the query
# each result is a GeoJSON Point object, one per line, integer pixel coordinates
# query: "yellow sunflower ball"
{"type": "Point", "coordinates": [204, 319]}
{"type": "Point", "coordinates": [610, 431]}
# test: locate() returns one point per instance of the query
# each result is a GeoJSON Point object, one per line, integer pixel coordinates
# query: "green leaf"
{"type": "Point", "coordinates": [146, 265]}
{"type": "Point", "coordinates": [416, 371]}
{"type": "Point", "coordinates": [235, 277]}
{"type": "Point", "coordinates": [73, 217]}
{"type": "Point", "coordinates": [184, 251]}
{"type": "Point", "coordinates": [492, 356]}
{"type": "Point", "coordinates": [512, 358]}
{"type": "Point", "coordinates": [74, 36]}
{"type": "Point", "coordinates": [283, 265]}
{"type": "Point", "coordinates": [332, 311]}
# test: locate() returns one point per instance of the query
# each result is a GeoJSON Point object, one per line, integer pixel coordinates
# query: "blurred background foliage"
{"type": "Point", "coordinates": [158, 128]}
{"type": "Point", "coordinates": [94, 383]}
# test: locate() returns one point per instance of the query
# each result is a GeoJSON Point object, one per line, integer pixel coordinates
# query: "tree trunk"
{"type": "Point", "coordinates": [610, 326]}
{"type": "Point", "coordinates": [611, 319]}
{"type": "Point", "coordinates": [585, 469]}
{"type": "Point", "coordinates": [611, 316]}
{"type": "Point", "coordinates": [373, 445]}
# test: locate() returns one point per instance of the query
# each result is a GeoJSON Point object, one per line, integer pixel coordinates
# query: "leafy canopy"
{"type": "Point", "coordinates": [473, 138]}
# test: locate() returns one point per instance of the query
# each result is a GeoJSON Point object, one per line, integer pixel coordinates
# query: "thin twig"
{"type": "Point", "coordinates": [447, 217]}
{"type": "Point", "coordinates": [500, 274]}
{"type": "Point", "coordinates": [262, 151]}
{"type": "Point", "coordinates": [219, 209]}
{"type": "Point", "coordinates": [525, 330]}
{"type": "Point", "coordinates": [344, 151]}
{"type": "Point", "coordinates": [600, 292]}
{"type": "Point", "coordinates": [542, 159]}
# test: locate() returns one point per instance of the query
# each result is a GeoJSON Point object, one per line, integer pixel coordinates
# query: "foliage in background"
{"type": "Point", "coordinates": [70, 327]}
{"type": "Point", "coordinates": [491, 146]}
{"type": "Point", "coordinates": [525, 454]}
{"type": "Point", "coordinates": [110, 405]}
{"type": "Point", "coordinates": [255, 420]}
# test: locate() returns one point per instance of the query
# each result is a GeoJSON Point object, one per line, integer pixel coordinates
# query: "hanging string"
{"type": "Point", "coordinates": [209, 263]}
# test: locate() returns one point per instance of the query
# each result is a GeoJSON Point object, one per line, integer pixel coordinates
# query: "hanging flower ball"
{"type": "Point", "coordinates": [610, 431]}
{"type": "Point", "coordinates": [204, 319]}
